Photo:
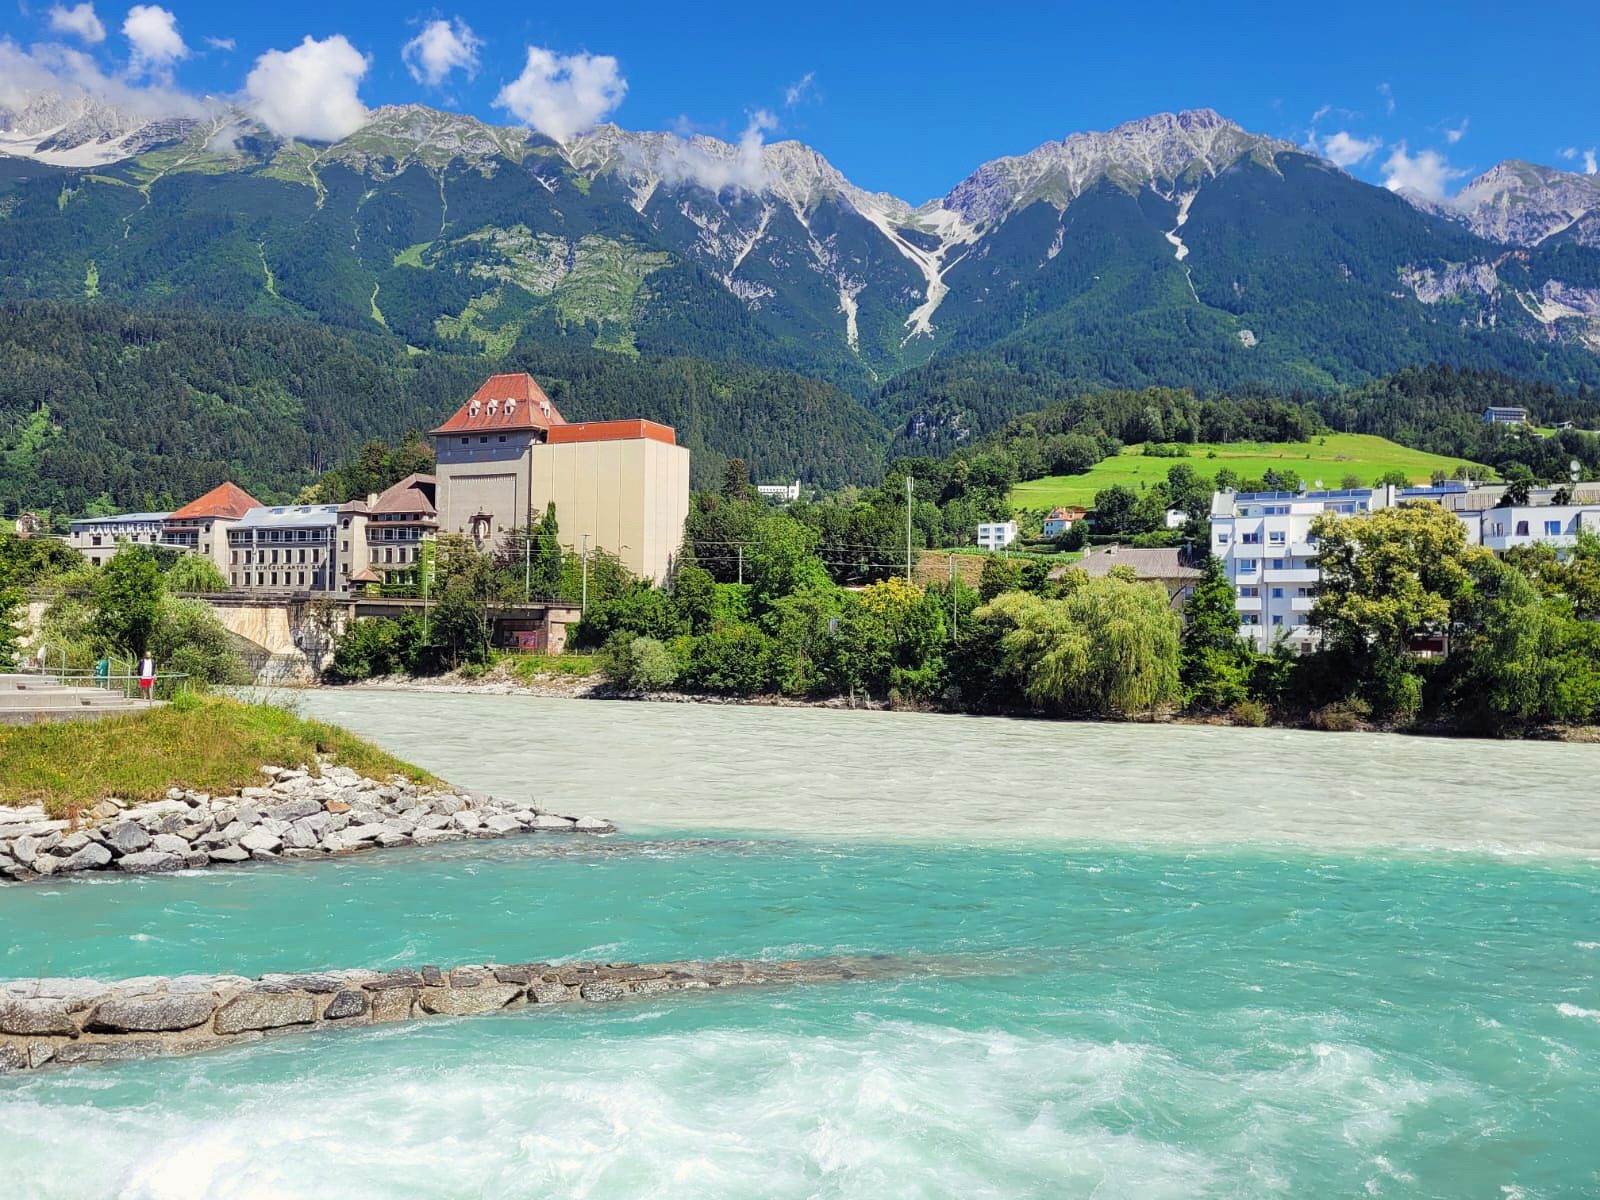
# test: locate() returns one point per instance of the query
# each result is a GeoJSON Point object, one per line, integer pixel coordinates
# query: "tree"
{"type": "Point", "coordinates": [1215, 661]}
{"type": "Point", "coordinates": [1113, 508]}
{"type": "Point", "coordinates": [782, 560]}
{"type": "Point", "coordinates": [188, 638]}
{"type": "Point", "coordinates": [1074, 537]}
{"type": "Point", "coordinates": [1519, 483]}
{"type": "Point", "coordinates": [1388, 580]}
{"type": "Point", "coordinates": [545, 569]}
{"type": "Point", "coordinates": [734, 659]}
{"type": "Point", "coordinates": [191, 573]}
{"type": "Point", "coordinates": [736, 482]}
{"type": "Point", "coordinates": [695, 593]}
{"type": "Point", "coordinates": [1392, 478]}
{"type": "Point", "coordinates": [127, 601]}
{"type": "Point", "coordinates": [1109, 647]}
{"type": "Point", "coordinates": [640, 664]}
{"type": "Point", "coordinates": [12, 612]}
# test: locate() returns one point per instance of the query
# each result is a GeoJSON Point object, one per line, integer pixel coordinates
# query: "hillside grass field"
{"type": "Point", "coordinates": [1329, 457]}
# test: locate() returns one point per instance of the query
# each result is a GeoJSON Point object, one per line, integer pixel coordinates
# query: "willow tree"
{"type": "Point", "coordinates": [1109, 647]}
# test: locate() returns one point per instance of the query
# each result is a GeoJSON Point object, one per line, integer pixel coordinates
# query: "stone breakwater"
{"type": "Point", "coordinates": [296, 814]}
{"type": "Point", "coordinates": [61, 1022]}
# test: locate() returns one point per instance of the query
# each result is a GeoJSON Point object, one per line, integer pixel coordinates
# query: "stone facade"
{"type": "Point", "coordinates": [296, 814]}
{"type": "Point", "coordinates": [62, 1022]}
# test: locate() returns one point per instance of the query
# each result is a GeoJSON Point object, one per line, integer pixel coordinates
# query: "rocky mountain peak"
{"type": "Point", "coordinates": [1522, 203]}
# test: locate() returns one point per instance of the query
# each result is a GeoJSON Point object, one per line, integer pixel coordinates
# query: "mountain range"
{"type": "Point", "coordinates": [1178, 249]}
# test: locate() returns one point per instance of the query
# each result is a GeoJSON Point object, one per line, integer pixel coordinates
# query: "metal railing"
{"type": "Point", "coordinates": [164, 686]}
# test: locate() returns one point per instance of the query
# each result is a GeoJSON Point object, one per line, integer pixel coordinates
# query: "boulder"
{"type": "Point", "coordinates": [147, 862]}
{"type": "Point", "coordinates": [428, 837]}
{"type": "Point", "coordinates": [127, 837]}
{"type": "Point", "coordinates": [603, 989]}
{"type": "Point", "coordinates": [92, 857]}
{"type": "Point", "coordinates": [348, 1003]}
{"type": "Point", "coordinates": [259, 839]}
{"type": "Point", "coordinates": [171, 843]}
{"type": "Point", "coordinates": [299, 837]}
{"type": "Point", "coordinates": [265, 1010]}
{"type": "Point", "coordinates": [161, 1013]}
{"type": "Point", "coordinates": [467, 1002]}
{"type": "Point", "coordinates": [503, 823]}
{"type": "Point", "coordinates": [229, 854]}
{"type": "Point", "coordinates": [593, 825]}
{"type": "Point", "coordinates": [393, 1004]}
{"type": "Point", "coordinates": [544, 992]}
{"type": "Point", "coordinates": [37, 1017]}
{"type": "Point", "coordinates": [550, 824]}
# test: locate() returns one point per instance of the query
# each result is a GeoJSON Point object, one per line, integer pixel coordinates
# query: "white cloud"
{"type": "Point", "coordinates": [561, 95]}
{"type": "Point", "coordinates": [52, 67]}
{"type": "Point", "coordinates": [217, 43]}
{"type": "Point", "coordinates": [1426, 173]}
{"type": "Point", "coordinates": [1460, 131]}
{"type": "Point", "coordinates": [442, 47]}
{"type": "Point", "coordinates": [716, 165]}
{"type": "Point", "coordinates": [153, 33]}
{"type": "Point", "coordinates": [799, 90]}
{"type": "Point", "coordinates": [1345, 150]}
{"type": "Point", "coordinates": [310, 91]}
{"type": "Point", "coordinates": [1572, 154]}
{"type": "Point", "coordinates": [1387, 93]}
{"type": "Point", "coordinates": [79, 20]}
{"type": "Point", "coordinates": [1321, 112]}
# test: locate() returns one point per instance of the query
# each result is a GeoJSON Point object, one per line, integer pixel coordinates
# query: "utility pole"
{"type": "Point", "coordinates": [583, 602]}
{"type": "Point", "coordinates": [910, 486]}
{"type": "Point", "coordinates": [740, 548]}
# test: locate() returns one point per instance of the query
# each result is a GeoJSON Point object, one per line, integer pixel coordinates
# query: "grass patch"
{"type": "Point", "coordinates": [1329, 458]}
{"type": "Point", "coordinates": [531, 666]}
{"type": "Point", "coordinates": [212, 744]}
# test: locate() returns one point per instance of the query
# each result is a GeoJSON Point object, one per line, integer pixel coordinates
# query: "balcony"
{"type": "Point", "coordinates": [1302, 604]}
{"type": "Point", "coordinates": [1303, 549]}
{"type": "Point", "coordinates": [1291, 575]}
{"type": "Point", "coordinates": [1247, 604]}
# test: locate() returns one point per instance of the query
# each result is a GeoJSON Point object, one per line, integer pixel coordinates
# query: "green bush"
{"type": "Point", "coordinates": [1249, 712]}
{"type": "Point", "coordinates": [1342, 716]}
{"type": "Point", "coordinates": [641, 664]}
{"type": "Point", "coordinates": [733, 659]}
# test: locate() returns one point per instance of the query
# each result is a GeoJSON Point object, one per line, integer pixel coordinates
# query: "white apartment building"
{"type": "Point", "coordinates": [783, 493]}
{"type": "Point", "coordinates": [996, 535]}
{"type": "Point", "coordinates": [298, 548]}
{"type": "Point", "coordinates": [97, 538]}
{"type": "Point", "coordinates": [1264, 541]}
{"type": "Point", "coordinates": [1558, 525]}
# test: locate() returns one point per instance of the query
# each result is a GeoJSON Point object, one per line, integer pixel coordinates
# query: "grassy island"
{"type": "Point", "coordinates": [208, 744]}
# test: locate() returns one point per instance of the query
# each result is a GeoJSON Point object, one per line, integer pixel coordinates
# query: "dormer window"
{"type": "Point", "coordinates": [472, 409]}
{"type": "Point", "coordinates": [511, 407]}
{"type": "Point", "coordinates": [544, 407]}
{"type": "Point", "coordinates": [493, 404]}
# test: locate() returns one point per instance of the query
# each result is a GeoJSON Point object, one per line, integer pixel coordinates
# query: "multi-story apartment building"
{"type": "Point", "coordinates": [97, 538]}
{"type": "Point", "coordinates": [201, 526]}
{"type": "Point", "coordinates": [1265, 542]}
{"type": "Point", "coordinates": [399, 522]}
{"type": "Point", "coordinates": [298, 548]}
{"type": "Point", "coordinates": [1558, 525]}
{"type": "Point", "coordinates": [996, 535]}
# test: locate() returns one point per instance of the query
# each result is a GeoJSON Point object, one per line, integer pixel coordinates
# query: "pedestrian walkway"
{"type": "Point", "coordinates": [30, 699]}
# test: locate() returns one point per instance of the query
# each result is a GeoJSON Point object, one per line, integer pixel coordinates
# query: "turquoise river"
{"type": "Point", "coordinates": [1183, 962]}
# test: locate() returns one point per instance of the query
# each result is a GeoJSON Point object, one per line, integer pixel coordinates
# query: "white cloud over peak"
{"type": "Point", "coordinates": [799, 90]}
{"type": "Point", "coordinates": [562, 95]}
{"type": "Point", "coordinates": [311, 91]}
{"type": "Point", "coordinates": [1572, 154]}
{"type": "Point", "coordinates": [1427, 173]}
{"type": "Point", "coordinates": [442, 47]}
{"type": "Point", "coordinates": [221, 43]}
{"type": "Point", "coordinates": [152, 31]}
{"type": "Point", "coordinates": [52, 67]}
{"type": "Point", "coordinates": [709, 163]}
{"type": "Point", "coordinates": [80, 20]}
{"type": "Point", "coordinates": [1460, 131]}
{"type": "Point", "coordinates": [1346, 150]}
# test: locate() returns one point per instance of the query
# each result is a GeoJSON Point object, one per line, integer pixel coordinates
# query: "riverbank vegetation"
{"type": "Point", "coordinates": [210, 744]}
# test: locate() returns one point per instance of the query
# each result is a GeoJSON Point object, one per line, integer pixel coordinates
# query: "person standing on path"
{"type": "Point", "coordinates": [147, 676]}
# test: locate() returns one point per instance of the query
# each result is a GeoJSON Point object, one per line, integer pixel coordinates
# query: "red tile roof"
{"type": "Point", "coordinates": [226, 500]}
{"type": "Point", "coordinates": [612, 431]}
{"type": "Point", "coordinates": [486, 411]}
{"type": "Point", "coordinates": [413, 494]}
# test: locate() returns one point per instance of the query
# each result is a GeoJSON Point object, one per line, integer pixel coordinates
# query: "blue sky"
{"type": "Point", "coordinates": [903, 98]}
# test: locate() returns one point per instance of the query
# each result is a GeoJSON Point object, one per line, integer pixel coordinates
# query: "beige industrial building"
{"type": "Point", "coordinates": [618, 486]}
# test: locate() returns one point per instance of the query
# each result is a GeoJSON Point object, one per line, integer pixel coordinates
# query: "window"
{"type": "Point", "coordinates": [465, 441]}
{"type": "Point", "coordinates": [1277, 564]}
{"type": "Point", "coordinates": [1522, 529]}
{"type": "Point", "coordinates": [344, 547]}
{"type": "Point", "coordinates": [1277, 620]}
{"type": "Point", "coordinates": [1247, 566]}
{"type": "Point", "coordinates": [1249, 592]}
{"type": "Point", "coordinates": [1552, 527]}
{"type": "Point", "coordinates": [1222, 539]}
{"type": "Point", "coordinates": [1277, 537]}
{"type": "Point", "coordinates": [97, 539]}
{"type": "Point", "coordinates": [1277, 593]}
{"type": "Point", "coordinates": [1251, 539]}
{"type": "Point", "coordinates": [484, 438]}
